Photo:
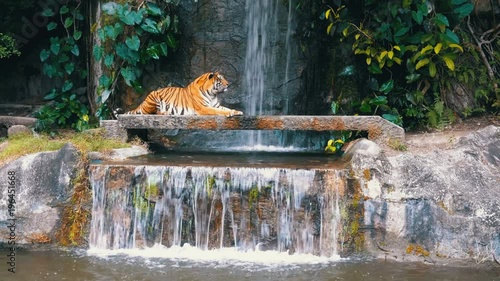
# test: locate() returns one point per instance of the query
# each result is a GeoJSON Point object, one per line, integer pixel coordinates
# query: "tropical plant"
{"type": "Point", "coordinates": [62, 61]}
{"type": "Point", "coordinates": [130, 37]}
{"type": "Point", "coordinates": [410, 49]}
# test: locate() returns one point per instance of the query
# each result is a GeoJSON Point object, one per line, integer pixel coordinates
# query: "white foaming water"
{"type": "Point", "coordinates": [224, 255]}
{"type": "Point", "coordinates": [268, 148]}
{"type": "Point", "coordinates": [243, 214]}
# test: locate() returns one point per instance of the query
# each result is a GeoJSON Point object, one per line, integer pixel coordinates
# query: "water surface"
{"type": "Point", "coordinates": [53, 265]}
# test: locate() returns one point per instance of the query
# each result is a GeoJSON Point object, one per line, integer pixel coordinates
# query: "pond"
{"type": "Point", "coordinates": [211, 265]}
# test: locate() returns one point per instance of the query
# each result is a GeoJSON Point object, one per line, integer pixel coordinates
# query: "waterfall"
{"type": "Point", "coordinates": [249, 209]}
{"type": "Point", "coordinates": [262, 31]}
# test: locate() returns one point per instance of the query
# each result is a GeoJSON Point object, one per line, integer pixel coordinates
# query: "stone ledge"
{"type": "Point", "coordinates": [379, 129]}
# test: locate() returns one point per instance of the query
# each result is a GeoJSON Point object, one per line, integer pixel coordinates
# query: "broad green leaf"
{"type": "Point", "coordinates": [365, 107]}
{"type": "Point", "coordinates": [451, 37]}
{"type": "Point", "coordinates": [127, 18]}
{"type": "Point", "coordinates": [51, 26]}
{"type": "Point", "coordinates": [437, 48]}
{"type": "Point", "coordinates": [105, 81]}
{"type": "Point", "coordinates": [55, 46]}
{"type": "Point", "coordinates": [64, 9]}
{"type": "Point", "coordinates": [133, 42]}
{"type": "Point", "coordinates": [105, 95]}
{"type": "Point", "coordinates": [109, 59]}
{"type": "Point", "coordinates": [464, 10]}
{"type": "Point", "coordinates": [77, 35]}
{"type": "Point", "coordinates": [449, 62]}
{"type": "Point", "coordinates": [432, 69]}
{"type": "Point", "coordinates": [417, 16]}
{"type": "Point", "coordinates": [67, 86]}
{"type": "Point", "coordinates": [412, 78]}
{"type": "Point", "coordinates": [387, 86]}
{"type": "Point", "coordinates": [44, 55]}
{"type": "Point", "coordinates": [441, 19]}
{"type": "Point", "coordinates": [153, 52]}
{"type": "Point", "coordinates": [396, 119]}
{"type": "Point", "coordinates": [97, 52]}
{"type": "Point", "coordinates": [68, 22]}
{"type": "Point", "coordinates": [372, 84]}
{"type": "Point", "coordinates": [129, 75]}
{"type": "Point", "coordinates": [164, 48]}
{"type": "Point", "coordinates": [335, 107]}
{"type": "Point", "coordinates": [69, 68]}
{"type": "Point", "coordinates": [153, 9]}
{"type": "Point", "coordinates": [75, 50]}
{"type": "Point", "coordinates": [48, 13]}
{"type": "Point", "coordinates": [380, 100]}
{"type": "Point", "coordinates": [171, 41]}
{"type": "Point", "coordinates": [422, 63]}
{"type": "Point", "coordinates": [122, 51]}
{"type": "Point", "coordinates": [402, 31]}
{"type": "Point", "coordinates": [52, 95]}
{"type": "Point", "coordinates": [456, 46]}
{"type": "Point", "coordinates": [426, 49]}
{"type": "Point", "coordinates": [150, 26]}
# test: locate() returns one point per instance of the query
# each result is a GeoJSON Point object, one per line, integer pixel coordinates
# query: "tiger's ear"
{"type": "Point", "coordinates": [211, 75]}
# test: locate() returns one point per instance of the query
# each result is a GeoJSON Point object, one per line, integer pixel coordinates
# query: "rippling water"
{"type": "Point", "coordinates": [53, 265]}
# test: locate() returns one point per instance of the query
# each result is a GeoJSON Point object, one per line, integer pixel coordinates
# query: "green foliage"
{"type": "Point", "coordinates": [8, 46]}
{"type": "Point", "coordinates": [410, 50]}
{"type": "Point", "coordinates": [62, 61]}
{"type": "Point", "coordinates": [130, 38]}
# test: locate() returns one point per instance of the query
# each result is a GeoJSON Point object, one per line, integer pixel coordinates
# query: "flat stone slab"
{"type": "Point", "coordinates": [378, 129]}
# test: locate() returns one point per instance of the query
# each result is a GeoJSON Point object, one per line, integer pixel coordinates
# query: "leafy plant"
{"type": "Point", "coordinates": [130, 38]}
{"type": "Point", "coordinates": [8, 46]}
{"type": "Point", "coordinates": [409, 48]}
{"type": "Point", "coordinates": [62, 61]}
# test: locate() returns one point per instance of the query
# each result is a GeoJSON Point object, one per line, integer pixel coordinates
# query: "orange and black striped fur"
{"type": "Point", "coordinates": [198, 98]}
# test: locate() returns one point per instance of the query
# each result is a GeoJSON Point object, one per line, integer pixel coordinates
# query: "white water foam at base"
{"type": "Point", "coordinates": [223, 256]}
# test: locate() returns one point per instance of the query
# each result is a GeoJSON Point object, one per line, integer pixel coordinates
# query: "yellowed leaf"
{"type": "Point", "coordinates": [426, 49]}
{"type": "Point", "coordinates": [344, 32]}
{"type": "Point", "coordinates": [437, 48]}
{"type": "Point", "coordinates": [329, 27]}
{"type": "Point", "coordinates": [397, 48]}
{"type": "Point", "coordinates": [397, 60]}
{"type": "Point", "coordinates": [327, 14]}
{"type": "Point", "coordinates": [368, 60]}
{"type": "Point", "coordinates": [383, 54]}
{"type": "Point", "coordinates": [390, 54]}
{"type": "Point", "coordinates": [456, 46]}
{"type": "Point", "coordinates": [432, 69]}
{"type": "Point", "coordinates": [357, 36]}
{"type": "Point", "coordinates": [449, 63]}
{"type": "Point", "coordinates": [422, 63]}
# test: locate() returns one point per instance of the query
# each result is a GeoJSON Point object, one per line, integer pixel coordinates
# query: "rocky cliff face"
{"type": "Point", "coordinates": [439, 205]}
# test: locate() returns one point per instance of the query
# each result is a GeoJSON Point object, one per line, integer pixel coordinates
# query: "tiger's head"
{"type": "Point", "coordinates": [214, 83]}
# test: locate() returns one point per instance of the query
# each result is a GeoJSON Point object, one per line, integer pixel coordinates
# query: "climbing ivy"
{"type": "Point", "coordinates": [62, 60]}
{"type": "Point", "coordinates": [410, 49]}
{"type": "Point", "coordinates": [130, 37]}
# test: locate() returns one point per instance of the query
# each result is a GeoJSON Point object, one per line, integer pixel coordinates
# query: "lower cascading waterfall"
{"type": "Point", "coordinates": [286, 210]}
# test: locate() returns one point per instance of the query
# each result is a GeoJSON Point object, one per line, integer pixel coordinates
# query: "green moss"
{"type": "Point", "coordinates": [210, 185]}
{"type": "Point", "coordinates": [253, 195]}
{"type": "Point", "coordinates": [85, 142]}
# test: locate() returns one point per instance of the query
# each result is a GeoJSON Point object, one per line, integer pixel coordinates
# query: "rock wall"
{"type": "Point", "coordinates": [436, 206]}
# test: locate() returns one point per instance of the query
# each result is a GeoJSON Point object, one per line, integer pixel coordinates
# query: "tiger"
{"type": "Point", "coordinates": [198, 98]}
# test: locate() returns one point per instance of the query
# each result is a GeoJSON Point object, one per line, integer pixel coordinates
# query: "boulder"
{"type": "Point", "coordinates": [18, 130]}
{"type": "Point", "coordinates": [41, 185]}
{"type": "Point", "coordinates": [436, 206]}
